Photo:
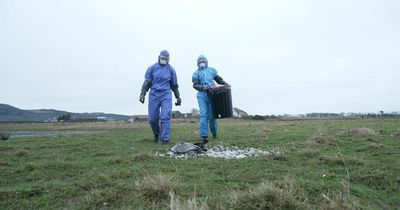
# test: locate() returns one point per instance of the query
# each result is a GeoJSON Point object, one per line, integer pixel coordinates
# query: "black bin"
{"type": "Point", "coordinates": [221, 102]}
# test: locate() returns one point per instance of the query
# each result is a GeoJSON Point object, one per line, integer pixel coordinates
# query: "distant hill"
{"type": "Point", "coordinates": [12, 114]}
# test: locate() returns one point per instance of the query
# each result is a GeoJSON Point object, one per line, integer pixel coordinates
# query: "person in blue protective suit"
{"type": "Point", "coordinates": [203, 79]}
{"type": "Point", "coordinates": [161, 79]}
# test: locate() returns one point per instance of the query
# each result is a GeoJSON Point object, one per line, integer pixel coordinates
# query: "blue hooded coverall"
{"type": "Point", "coordinates": [205, 77]}
{"type": "Point", "coordinates": [161, 77]}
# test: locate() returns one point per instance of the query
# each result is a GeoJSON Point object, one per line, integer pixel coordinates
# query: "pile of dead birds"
{"type": "Point", "coordinates": [220, 151]}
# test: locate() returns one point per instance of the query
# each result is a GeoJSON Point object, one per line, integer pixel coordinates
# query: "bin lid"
{"type": "Point", "coordinates": [220, 87]}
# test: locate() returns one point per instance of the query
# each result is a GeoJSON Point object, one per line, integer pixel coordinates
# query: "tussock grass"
{"type": "Point", "coordinates": [276, 157]}
{"type": "Point", "coordinates": [21, 152]}
{"type": "Point", "coordinates": [21, 193]}
{"type": "Point", "coordinates": [95, 180]}
{"type": "Point", "coordinates": [115, 160]}
{"type": "Point", "coordinates": [142, 157]}
{"type": "Point", "coordinates": [101, 198]}
{"type": "Point", "coordinates": [103, 154]}
{"type": "Point", "coordinates": [28, 192]}
{"type": "Point", "coordinates": [7, 194]}
{"type": "Point", "coordinates": [336, 160]}
{"type": "Point", "coordinates": [95, 199]}
{"type": "Point", "coordinates": [369, 139]}
{"type": "Point", "coordinates": [4, 163]}
{"type": "Point", "coordinates": [323, 140]}
{"type": "Point", "coordinates": [263, 132]}
{"type": "Point", "coordinates": [368, 177]}
{"type": "Point", "coordinates": [375, 146]}
{"type": "Point", "coordinates": [178, 203]}
{"type": "Point", "coordinates": [4, 136]}
{"type": "Point", "coordinates": [268, 195]}
{"type": "Point", "coordinates": [396, 132]}
{"type": "Point", "coordinates": [362, 132]}
{"type": "Point", "coordinates": [25, 168]}
{"type": "Point", "coordinates": [339, 200]}
{"type": "Point", "coordinates": [30, 167]}
{"type": "Point", "coordinates": [155, 188]}
{"type": "Point", "coordinates": [331, 160]}
{"type": "Point", "coordinates": [309, 152]}
{"type": "Point", "coordinates": [342, 133]}
{"type": "Point", "coordinates": [60, 165]}
{"type": "Point", "coordinates": [357, 132]}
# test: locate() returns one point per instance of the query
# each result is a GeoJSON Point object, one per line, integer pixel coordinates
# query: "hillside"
{"type": "Point", "coordinates": [12, 114]}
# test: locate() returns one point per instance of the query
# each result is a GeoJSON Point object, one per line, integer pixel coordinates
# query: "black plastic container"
{"type": "Point", "coordinates": [221, 102]}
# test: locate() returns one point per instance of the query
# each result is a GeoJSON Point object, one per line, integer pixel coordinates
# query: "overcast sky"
{"type": "Point", "coordinates": [279, 56]}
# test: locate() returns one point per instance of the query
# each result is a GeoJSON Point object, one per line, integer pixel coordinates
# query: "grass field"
{"type": "Point", "coordinates": [321, 164]}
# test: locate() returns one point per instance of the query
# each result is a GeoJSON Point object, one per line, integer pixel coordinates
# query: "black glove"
{"type": "Point", "coordinates": [145, 87]}
{"type": "Point", "coordinates": [178, 101]}
{"type": "Point", "coordinates": [141, 98]}
{"type": "Point", "coordinates": [177, 95]}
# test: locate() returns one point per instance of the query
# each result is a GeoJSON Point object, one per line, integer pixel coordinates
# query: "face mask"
{"type": "Point", "coordinates": [202, 65]}
{"type": "Point", "coordinates": [164, 60]}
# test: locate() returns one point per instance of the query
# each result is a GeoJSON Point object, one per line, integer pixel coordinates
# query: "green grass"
{"type": "Point", "coordinates": [323, 164]}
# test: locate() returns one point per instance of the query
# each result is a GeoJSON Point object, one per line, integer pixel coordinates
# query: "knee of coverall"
{"type": "Point", "coordinates": [154, 107]}
{"type": "Point", "coordinates": [210, 112]}
{"type": "Point", "coordinates": [166, 112]}
{"type": "Point", "coordinates": [203, 105]}
{"type": "Point", "coordinates": [166, 105]}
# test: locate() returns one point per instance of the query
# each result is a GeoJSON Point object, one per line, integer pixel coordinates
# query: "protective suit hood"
{"type": "Point", "coordinates": [202, 58]}
{"type": "Point", "coordinates": [163, 53]}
